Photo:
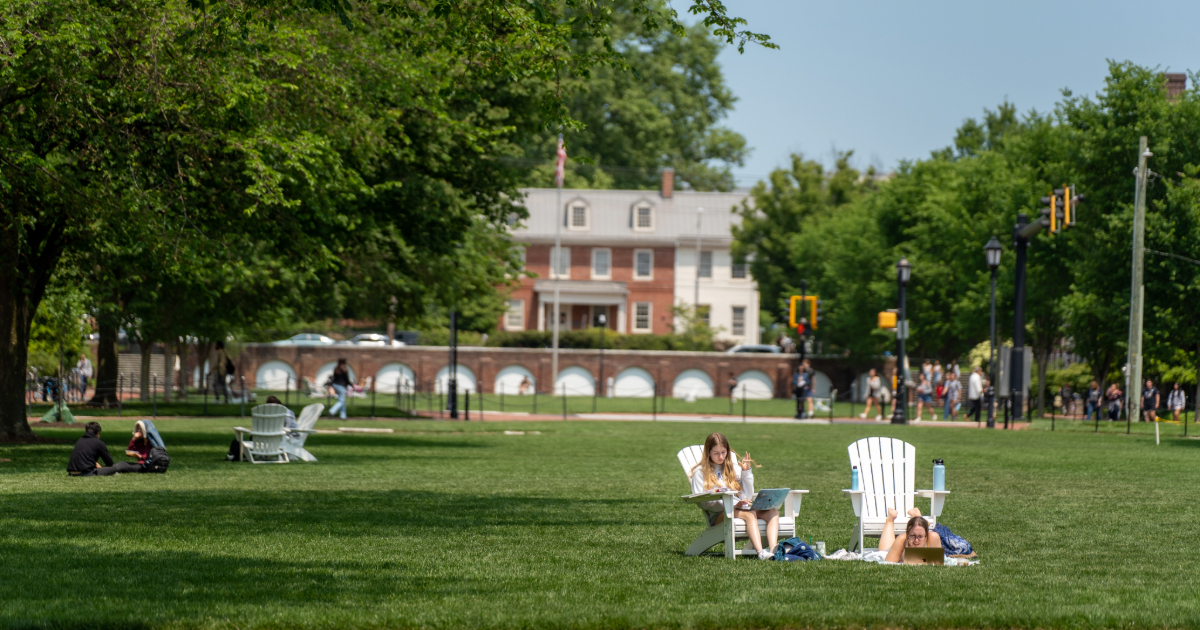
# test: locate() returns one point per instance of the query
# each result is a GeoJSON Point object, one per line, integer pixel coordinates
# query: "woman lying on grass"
{"type": "Point", "coordinates": [716, 472]}
{"type": "Point", "coordinates": [918, 534]}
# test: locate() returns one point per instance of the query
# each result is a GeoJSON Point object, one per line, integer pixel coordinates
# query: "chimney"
{"type": "Point", "coordinates": [1176, 84]}
{"type": "Point", "coordinates": [668, 182]}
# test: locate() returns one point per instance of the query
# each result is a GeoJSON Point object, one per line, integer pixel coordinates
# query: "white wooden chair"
{"type": "Point", "coordinates": [887, 476]}
{"type": "Point", "coordinates": [266, 435]}
{"type": "Point", "coordinates": [293, 442]}
{"type": "Point", "coordinates": [731, 529]}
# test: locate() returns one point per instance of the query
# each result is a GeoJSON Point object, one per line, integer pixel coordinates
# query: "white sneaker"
{"type": "Point", "coordinates": [863, 415]}
{"type": "Point", "coordinates": [878, 418]}
{"type": "Point", "coordinates": [765, 555]}
{"type": "Point", "coordinates": [935, 417]}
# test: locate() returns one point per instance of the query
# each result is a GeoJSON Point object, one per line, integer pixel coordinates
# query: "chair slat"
{"type": "Point", "coordinates": [910, 467]}
{"type": "Point", "coordinates": [873, 484]}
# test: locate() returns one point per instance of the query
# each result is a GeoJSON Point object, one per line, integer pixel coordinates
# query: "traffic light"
{"type": "Point", "coordinates": [1072, 205]}
{"type": "Point", "coordinates": [818, 312]}
{"type": "Point", "coordinates": [796, 313]}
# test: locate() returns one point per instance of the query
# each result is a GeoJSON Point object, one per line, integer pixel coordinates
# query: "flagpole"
{"type": "Point", "coordinates": [555, 259]}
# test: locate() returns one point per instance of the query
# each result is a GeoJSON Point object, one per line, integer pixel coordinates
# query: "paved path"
{"type": "Point", "coordinates": [496, 416]}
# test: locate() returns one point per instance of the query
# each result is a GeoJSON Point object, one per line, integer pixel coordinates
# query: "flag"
{"type": "Point", "coordinates": [561, 164]}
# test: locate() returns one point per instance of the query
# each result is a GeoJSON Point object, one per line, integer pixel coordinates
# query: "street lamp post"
{"type": "Point", "coordinates": [992, 252]}
{"type": "Point", "coordinates": [903, 273]}
{"type": "Point", "coordinates": [603, 321]}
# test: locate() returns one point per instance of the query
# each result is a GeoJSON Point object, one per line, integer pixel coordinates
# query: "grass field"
{"type": "Point", "coordinates": [452, 525]}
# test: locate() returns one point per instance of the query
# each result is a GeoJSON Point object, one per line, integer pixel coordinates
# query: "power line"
{"type": "Point", "coordinates": [1191, 260]}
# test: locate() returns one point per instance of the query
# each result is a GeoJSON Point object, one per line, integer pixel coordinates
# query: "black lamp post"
{"type": "Point", "coordinates": [603, 321]}
{"type": "Point", "coordinates": [992, 251]}
{"type": "Point", "coordinates": [903, 273]}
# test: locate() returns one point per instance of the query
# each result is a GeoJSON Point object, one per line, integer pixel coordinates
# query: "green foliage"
{"type": "Point", "coordinates": [58, 330]}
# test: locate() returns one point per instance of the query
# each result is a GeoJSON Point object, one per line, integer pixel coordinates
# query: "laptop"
{"type": "Point", "coordinates": [770, 499]}
{"type": "Point", "coordinates": [925, 555]}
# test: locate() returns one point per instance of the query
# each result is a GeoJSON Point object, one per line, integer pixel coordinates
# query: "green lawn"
{"type": "Point", "coordinates": [452, 525]}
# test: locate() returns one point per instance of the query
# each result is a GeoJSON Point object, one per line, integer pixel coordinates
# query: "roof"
{"type": "Point", "coordinates": [612, 216]}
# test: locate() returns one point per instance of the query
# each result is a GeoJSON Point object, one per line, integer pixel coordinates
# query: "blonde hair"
{"type": "Point", "coordinates": [727, 470]}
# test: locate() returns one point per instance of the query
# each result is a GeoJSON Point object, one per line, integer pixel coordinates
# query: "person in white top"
{"type": "Point", "coordinates": [975, 393]}
{"type": "Point", "coordinates": [874, 385]}
{"type": "Point", "coordinates": [1176, 400]}
{"type": "Point", "coordinates": [85, 373]}
{"type": "Point", "coordinates": [717, 472]}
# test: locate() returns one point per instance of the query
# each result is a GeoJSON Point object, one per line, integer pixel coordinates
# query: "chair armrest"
{"type": "Point", "coordinates": [856, 499]}
{"type": "Point", "coordinates": [240, 430]}
{"type": "Point", "coordinates": [936, 500]}
{"type": "Point", "coordinates": [791, 505]}
{"type": "Point", "coordinates": [300, 430]}
{"type": "Point", "coordinates": [252, 433]}
{"type": "Point", "coordinates": [704, 497]}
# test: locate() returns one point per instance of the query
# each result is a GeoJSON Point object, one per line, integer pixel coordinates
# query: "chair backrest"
{"type": "Point", "coordinates": [309, 415]}
{"type": "Point", "coordinates": [886, 469]}
{"type": "Point", "coordinates": [692, 455]}
{"type": "Point", "coordinates": [268, 418]}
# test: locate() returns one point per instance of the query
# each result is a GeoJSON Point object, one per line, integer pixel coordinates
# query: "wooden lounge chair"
{"type": "Point", "coordinates": [732, 529]}
{"type": "Point", "coordinates": [266, 435]}
{"type": "Point", "coordinates": [293, 442]}
{"type": "Point", "coordinates": [887, 476]}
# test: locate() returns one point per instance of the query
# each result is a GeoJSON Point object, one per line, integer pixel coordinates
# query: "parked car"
{"type": "Point", "coordinates": [305, 339]}
{"type": "Point", "coordinates": [369, 339]}
{"type": "Point", "coordinates": [761, 348]}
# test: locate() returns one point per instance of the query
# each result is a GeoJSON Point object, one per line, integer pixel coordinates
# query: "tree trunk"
{"type": "Point", "coordinates": [1043, 359]}
{"type": "Point", "coordinates": [15, 315]}
{"type": "Point", "coordinates": [169, 369]}
{"type": "Point", "coordinates": [144, 375]}
{"type": "Point", "coordinates": [107, 367]}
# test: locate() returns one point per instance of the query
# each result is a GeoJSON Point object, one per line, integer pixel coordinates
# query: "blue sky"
{"type": "Point", "coordinates": [893, 81]}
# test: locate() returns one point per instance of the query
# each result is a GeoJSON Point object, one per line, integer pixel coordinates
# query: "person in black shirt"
{"type": "Point", "coordinates": [89, 450]}
{"type": "Point", "coordinates": [340, 381]}
{"type": "Point", "coordinates": [1149, 402]}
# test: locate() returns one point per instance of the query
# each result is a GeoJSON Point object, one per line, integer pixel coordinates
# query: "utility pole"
{"type": "Point", "coordinates": [556, 258]}
{"type": "Point", "coordinates": [1137, 290]}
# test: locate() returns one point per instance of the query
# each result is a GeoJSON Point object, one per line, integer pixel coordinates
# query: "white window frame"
{"type": "Point", "coordinates": [515, 308]}
{"type": "Point", "coordinates": [704, 313]}
{"type": "Point", "coordinates": [745, 267]}
{"type": "Point", "coordinates": [607, 252]}
{"type": "Point", "coordinates": [700, 265]}
{"type": "Point", "coordinates": [649, 317]}
{"type": "Point", "coordinates": [587, 216]}
{"type": "Point", "coordinates": [636, 212]}
{"type": "Point", "coordinates": [566, 254]}
{"type": "Point", "coordinates": [733, 319]}
{"type": "Point", "coordinates": [636, 276]}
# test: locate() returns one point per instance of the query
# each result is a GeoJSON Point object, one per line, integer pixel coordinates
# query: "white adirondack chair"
{"type": "Point", "coordinates": [732, 529]}
{"type": "Point", "coordinates": [887, 476]}
{"type": "Point", "coordinates": [293, 442]}
{"type": "Point", "coordinates": [266, 435]}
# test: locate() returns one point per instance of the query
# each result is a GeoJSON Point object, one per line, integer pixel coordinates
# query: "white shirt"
{"type": "Point", "coordinates": [85, 367]}
{"type": "Point", "coordinates": [745, 478]}
{"type": "Point", "coordinates": [975, 387]}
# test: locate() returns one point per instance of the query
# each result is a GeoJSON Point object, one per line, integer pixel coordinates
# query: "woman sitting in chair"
{"type": "Point", "coordinates": [916, 534]}
{"type": "Point", "coordinates": [716, 472]}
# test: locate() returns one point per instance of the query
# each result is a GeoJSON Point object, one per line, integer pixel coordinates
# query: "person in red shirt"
{"type": "Point", "coordinates": [139, 445]}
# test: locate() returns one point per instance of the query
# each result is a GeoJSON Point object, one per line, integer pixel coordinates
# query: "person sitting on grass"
{"type": "Point", "coordinates": [918, 534]}
{"type": "Point", "coordinates": [89, 449]}
{"type": "Point", "coordinates": [289, 422]}
{"type": "Point", "coordinates": [716, 472]}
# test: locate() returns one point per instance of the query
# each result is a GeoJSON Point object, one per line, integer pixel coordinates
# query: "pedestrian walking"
{"type": "Point", "coordinates": [925, 395]}
{"type": "Point", "coordinates": [874, 385]}
{"type": "Point", "coordinates": [85, 373]}
{"type": "Point", "coordinates": [1093, 401]}
{"type": "Point", "coordinates": [1068, 400]}
{"type": "Point", "coordinates": [975, 393]}
{"type": "Point", "coordinates": [953, 390]}
{"type": "Point", "coordinates": [340, 381]}
{"type": "Point", "coordinates": [732, 383]}
{"type": "Point", "coordinates": [1176, 401]}
{"type": "Point", "coordinates": [1113, 397]}
{"type": "Point", "coordinates": [1150, 402]}
{"type": "Point", "coordinates": [803, 387]}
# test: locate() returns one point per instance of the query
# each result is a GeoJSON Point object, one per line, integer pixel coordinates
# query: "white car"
{"type": "Point", "coordinates": [369, 339]}
{"type": "Point", "coordinates": [305, 339]}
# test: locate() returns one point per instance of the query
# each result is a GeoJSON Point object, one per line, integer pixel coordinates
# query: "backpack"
{"type": "Point", "coordinates": [229, 367]}
{"type": "Point", "coordinates": [158, 460]}
{"type": "Point", "coordinates": [794, 549]}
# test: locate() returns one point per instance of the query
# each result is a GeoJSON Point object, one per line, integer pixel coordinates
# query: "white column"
{"type": "Point", "coordinates": [541, 308]}
{"type": "Point", "coordinates": [621, 317]}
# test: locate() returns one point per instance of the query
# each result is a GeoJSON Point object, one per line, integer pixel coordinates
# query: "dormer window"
{"type": "Point", "coordinates": [579, 216]}
{"type": "Point", "coordinates": [643, 218]}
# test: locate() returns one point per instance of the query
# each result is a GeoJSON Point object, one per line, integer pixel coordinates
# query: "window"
{"type": "Point", "coordinates": [641, 316]}
{"type": "Point", "coordinates": [643, 218]}
{"type": "Point", "coordinates": [643, 264]}
{"type": "Point", "coordinates": [560, 265]}
{"type": "Point", "coordinates": [601, 264]}
{"type": "Point", "coordinates": [705, 311]}
{"type": "Point", "coordinates": [739, 321]}
{"type": "Point", "coordinates": [705, 264]}
{"type": "Point", "coordinates": [515, 318]}
{"type": "Point", "coordinates": [578, 217]}
{"type": "Point", "coordinates": [739, 271]}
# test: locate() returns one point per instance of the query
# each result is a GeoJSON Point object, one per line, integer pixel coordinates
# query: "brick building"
{"type": "Point", "coordinates": [633, 255]}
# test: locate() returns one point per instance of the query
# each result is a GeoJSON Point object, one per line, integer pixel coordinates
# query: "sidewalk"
{"type": "Point", "coordinates": [497, 416]}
